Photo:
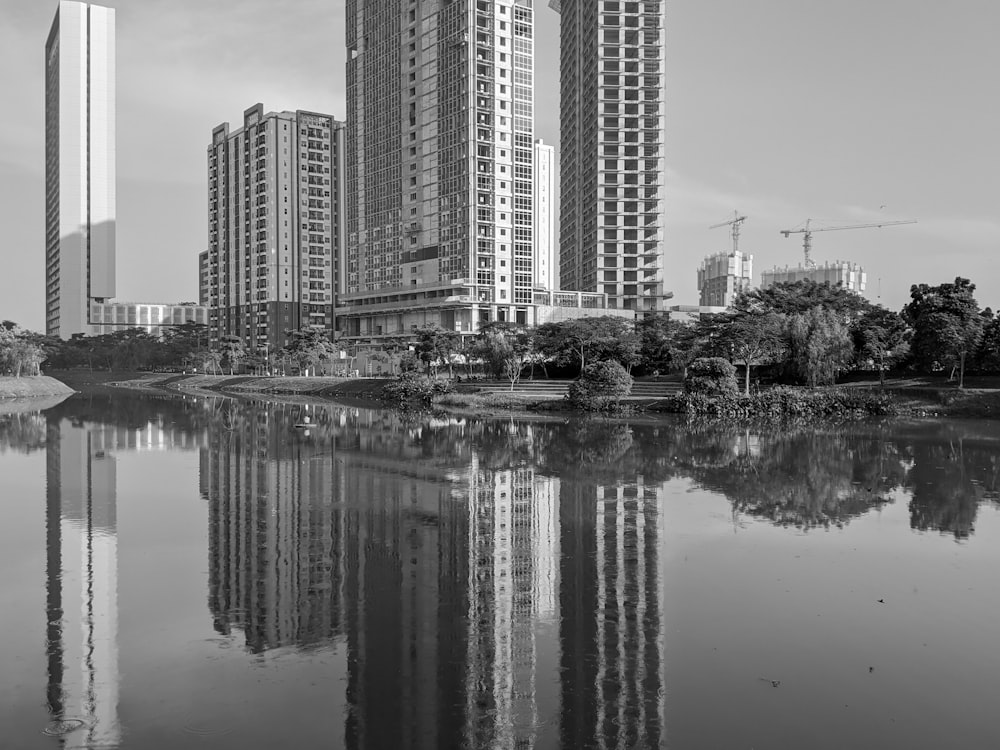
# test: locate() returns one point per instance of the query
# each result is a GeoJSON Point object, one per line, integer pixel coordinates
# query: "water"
{"type": "Point", "coordinates": [199, 572]}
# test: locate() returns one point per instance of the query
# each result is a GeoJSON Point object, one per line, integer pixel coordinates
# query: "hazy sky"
{"type": "Point", "coordinates": [782, 109]}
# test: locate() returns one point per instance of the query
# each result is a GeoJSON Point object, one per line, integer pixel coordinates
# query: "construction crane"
{"type": "Point", "coordinates": [808, 229]}
{"type": "Point", "coordinates": [735, 224]}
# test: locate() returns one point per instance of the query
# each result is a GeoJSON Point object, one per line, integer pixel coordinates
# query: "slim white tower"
{"type": "Point", "coordinates": [546, 261]}
{"type": "Point", "coordinates": [79, 165]}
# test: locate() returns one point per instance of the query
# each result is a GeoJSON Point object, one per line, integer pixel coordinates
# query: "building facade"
{"type": "Point", "coordinates": [153, 317]}
{"type": "Point", "coordinates": [721, 278]}
{"type": "Point", "coordinates": [838, 273]}
{"type": "Point", "coordinates": [546, 254]}
{"type": "Point", "coordinates": [204, 278]}
{"type": "Point", "coordinates": [274, 228]}
{"type": "Point", "coordinates": [611, 115]}
{"type": "Point", "coordinates": [80, 211]}
{"type": "Point", "coordinates": [439, 164]}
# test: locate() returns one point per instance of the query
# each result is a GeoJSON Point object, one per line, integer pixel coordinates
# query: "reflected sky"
{"type": "Point", "coordinates": [211, 572]}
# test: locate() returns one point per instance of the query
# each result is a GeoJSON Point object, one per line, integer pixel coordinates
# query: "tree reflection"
{"type": "Point", "coordinates": [952, 473]}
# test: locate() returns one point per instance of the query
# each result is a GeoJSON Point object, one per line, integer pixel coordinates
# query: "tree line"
{"type": "Point", "coordinates": [184, 347]}
{"type": "Point", "coordinates": [796, 332]}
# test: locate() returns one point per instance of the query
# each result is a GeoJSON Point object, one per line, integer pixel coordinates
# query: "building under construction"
{"type": "Point", "coordinates": [721, 277]}
{"type": "Point", "coordinates": [840, 272]}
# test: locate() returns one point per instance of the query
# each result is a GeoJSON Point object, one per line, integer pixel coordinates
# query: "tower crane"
{"type": "Point", "coordinates": [735, 224]}
{"type": "Point", "coordinates": [808, 229]}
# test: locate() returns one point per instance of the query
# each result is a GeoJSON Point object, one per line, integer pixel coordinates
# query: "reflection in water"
{"type": "Point", "coordinates": [82, 569]}
{"type": "Point", "coordinates": [492, 583]}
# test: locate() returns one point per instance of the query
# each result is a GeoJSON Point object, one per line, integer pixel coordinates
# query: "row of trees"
{"type": "Point", "coordinates": [803, 332]}
{"type": "Point", "coordinates": [181, 347]}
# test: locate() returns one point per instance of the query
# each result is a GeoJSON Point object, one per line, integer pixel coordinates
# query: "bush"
{"type": "Point", "coordinates": [710, 375]}
{"type": "Point", "coordinates": [600, 385]}
{"type": "Point", "coordinates": [784, 403]}
{"type": "Point", "coordinates": [410, 387]}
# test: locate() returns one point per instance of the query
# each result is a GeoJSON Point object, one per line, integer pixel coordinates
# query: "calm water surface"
{"type": "Point", "coordinates": [200, 572]}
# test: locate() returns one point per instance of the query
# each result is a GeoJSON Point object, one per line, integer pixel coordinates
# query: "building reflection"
{"type": "Point", "coordinates": [82, 569]}
{"type": "Point", "coordinates": [612, 626]}
{"type": "Point", "coordinates": [463, 584]}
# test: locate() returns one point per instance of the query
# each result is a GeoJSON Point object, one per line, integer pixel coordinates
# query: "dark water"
{"type": "Point", "coordinates": [200, 573]}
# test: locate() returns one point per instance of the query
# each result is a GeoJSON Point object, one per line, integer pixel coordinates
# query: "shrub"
{"type": "Point", "coordinates": [710, 375]}
{"type": "Point", "coordinates": [784, 403]}
{"type": "Point", "coordinates": [410, 387]}
{"type": "Point", "coordinates": [600, 385]}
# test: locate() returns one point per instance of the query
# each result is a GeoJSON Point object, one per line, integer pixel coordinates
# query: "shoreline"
{"type": "Point", "coordinates": [34, 386]}
{"type": "Point", "coordinates": [927, 401]}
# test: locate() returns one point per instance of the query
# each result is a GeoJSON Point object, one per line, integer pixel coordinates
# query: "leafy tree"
{"type": "Point", "coordinates": [573, 341]}
{"type": "Point", "coordinates": [310, 347]}
{"type": "Point", "coordinates": [947, 324]}
{"type": "Point", "coordinates": [711, 376]}
{"type": "Point", "coordinates": [751, 338]}
{"type": "Point", "coordinates": [665, 344]}
{"type": "Point", "coordinates": [180, 342]}
{"type": "Point", "coordinates": [19, 355]}
{"type": "Point", "coordinates": [505, 348]}
{"type": "Point", "coordinates": [436, 347]}
{"type": "Point", "coordinates": [233, 351]}
{"type": "Point", "coordinates": [881, 336]}
{"type": "Point", "coordinates": [799, 297]}
{"type": "Point", "coordinates": [131, 348]}
{"type": "Point", "coordinates": [821, 346]}
{"type": "Point", "coordinates": [600, 385]}
{"type": "Point", "coordinates": [988, 356]}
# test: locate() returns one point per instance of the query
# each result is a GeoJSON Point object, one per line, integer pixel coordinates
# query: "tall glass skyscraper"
{"type": "Point", "coordinates": [79, 165]}
{"type": "Point", "coordinates": [612, 166]}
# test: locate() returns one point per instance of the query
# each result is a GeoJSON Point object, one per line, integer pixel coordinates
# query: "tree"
{"type": "Point", "coordinates": [19, 355]}
{"type": "Point", "coordinates": [710, 376]}
{"type": "Point", "coordinates": [600, 385]}
{"type": "Point", "coordinates": [573, 341]}
{"type": "Point", "coordinates": [798, 297]}
{"type": "Point", "coordinates": [881, 336]}
{"type": "Point", "coordinates": [310, 347]}
{"type": "Point", "coordinates": [131, 348]}
{"type": "Point", "coordinates": [750, 338]}
{"type": "Point", "coordinates": [947, 324]}
{"type": "Point", "coordinates": [180, 342]}
{"type": "Point", "coordinates": [505, 348]}
{"type": "Point", "coordinates": [665, 344]}
{"type": "Point", "coordinates": [820, 346]}
{"type": "Point", "coordinates": [436, 346]}
{"type": "Point", "coordinates": [233, 351]}
{"type": "Point", "coordinates": [988, 357]}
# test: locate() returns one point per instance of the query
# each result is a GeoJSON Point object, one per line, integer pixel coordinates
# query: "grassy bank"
{"type": "Point", "coordinates": [911, 397]}
{"type": "Point", "coordinates": [33, 387]}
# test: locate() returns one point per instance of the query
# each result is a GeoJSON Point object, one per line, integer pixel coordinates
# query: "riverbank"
{"type": "Point", "coordinates": [37, 386]}
{"type": "Point", "coordinates": [910, 397]}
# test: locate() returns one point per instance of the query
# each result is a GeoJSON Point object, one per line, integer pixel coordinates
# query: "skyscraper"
{"type": "Point", "coordinates": [79, 165]}
{"type": "Point", "coordinates": [611, 173]}
{"type": "Point", "coordinates": [546, 255]}
{"type": "Point", "coordinates": [439, 165]}
{"type": "Point", "coordinates": [274, 228]}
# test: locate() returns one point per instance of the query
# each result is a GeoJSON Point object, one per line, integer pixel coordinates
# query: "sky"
{"type": "Point", "coordinates": [856, 111]}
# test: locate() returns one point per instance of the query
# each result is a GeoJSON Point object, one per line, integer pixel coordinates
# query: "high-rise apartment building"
{"type": "Point", "coordinates": [274, 227]}
{"type": "Point", "coordinates": [612, 165]}
{"type": "Point", "coordinates": [79, 165]}
{"type": "Point", "coordinates": [546, 255]}
{"type": "Point", "coordinates": [721, 278]}
{"type": "Point", "coordinates": [439, 165]}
